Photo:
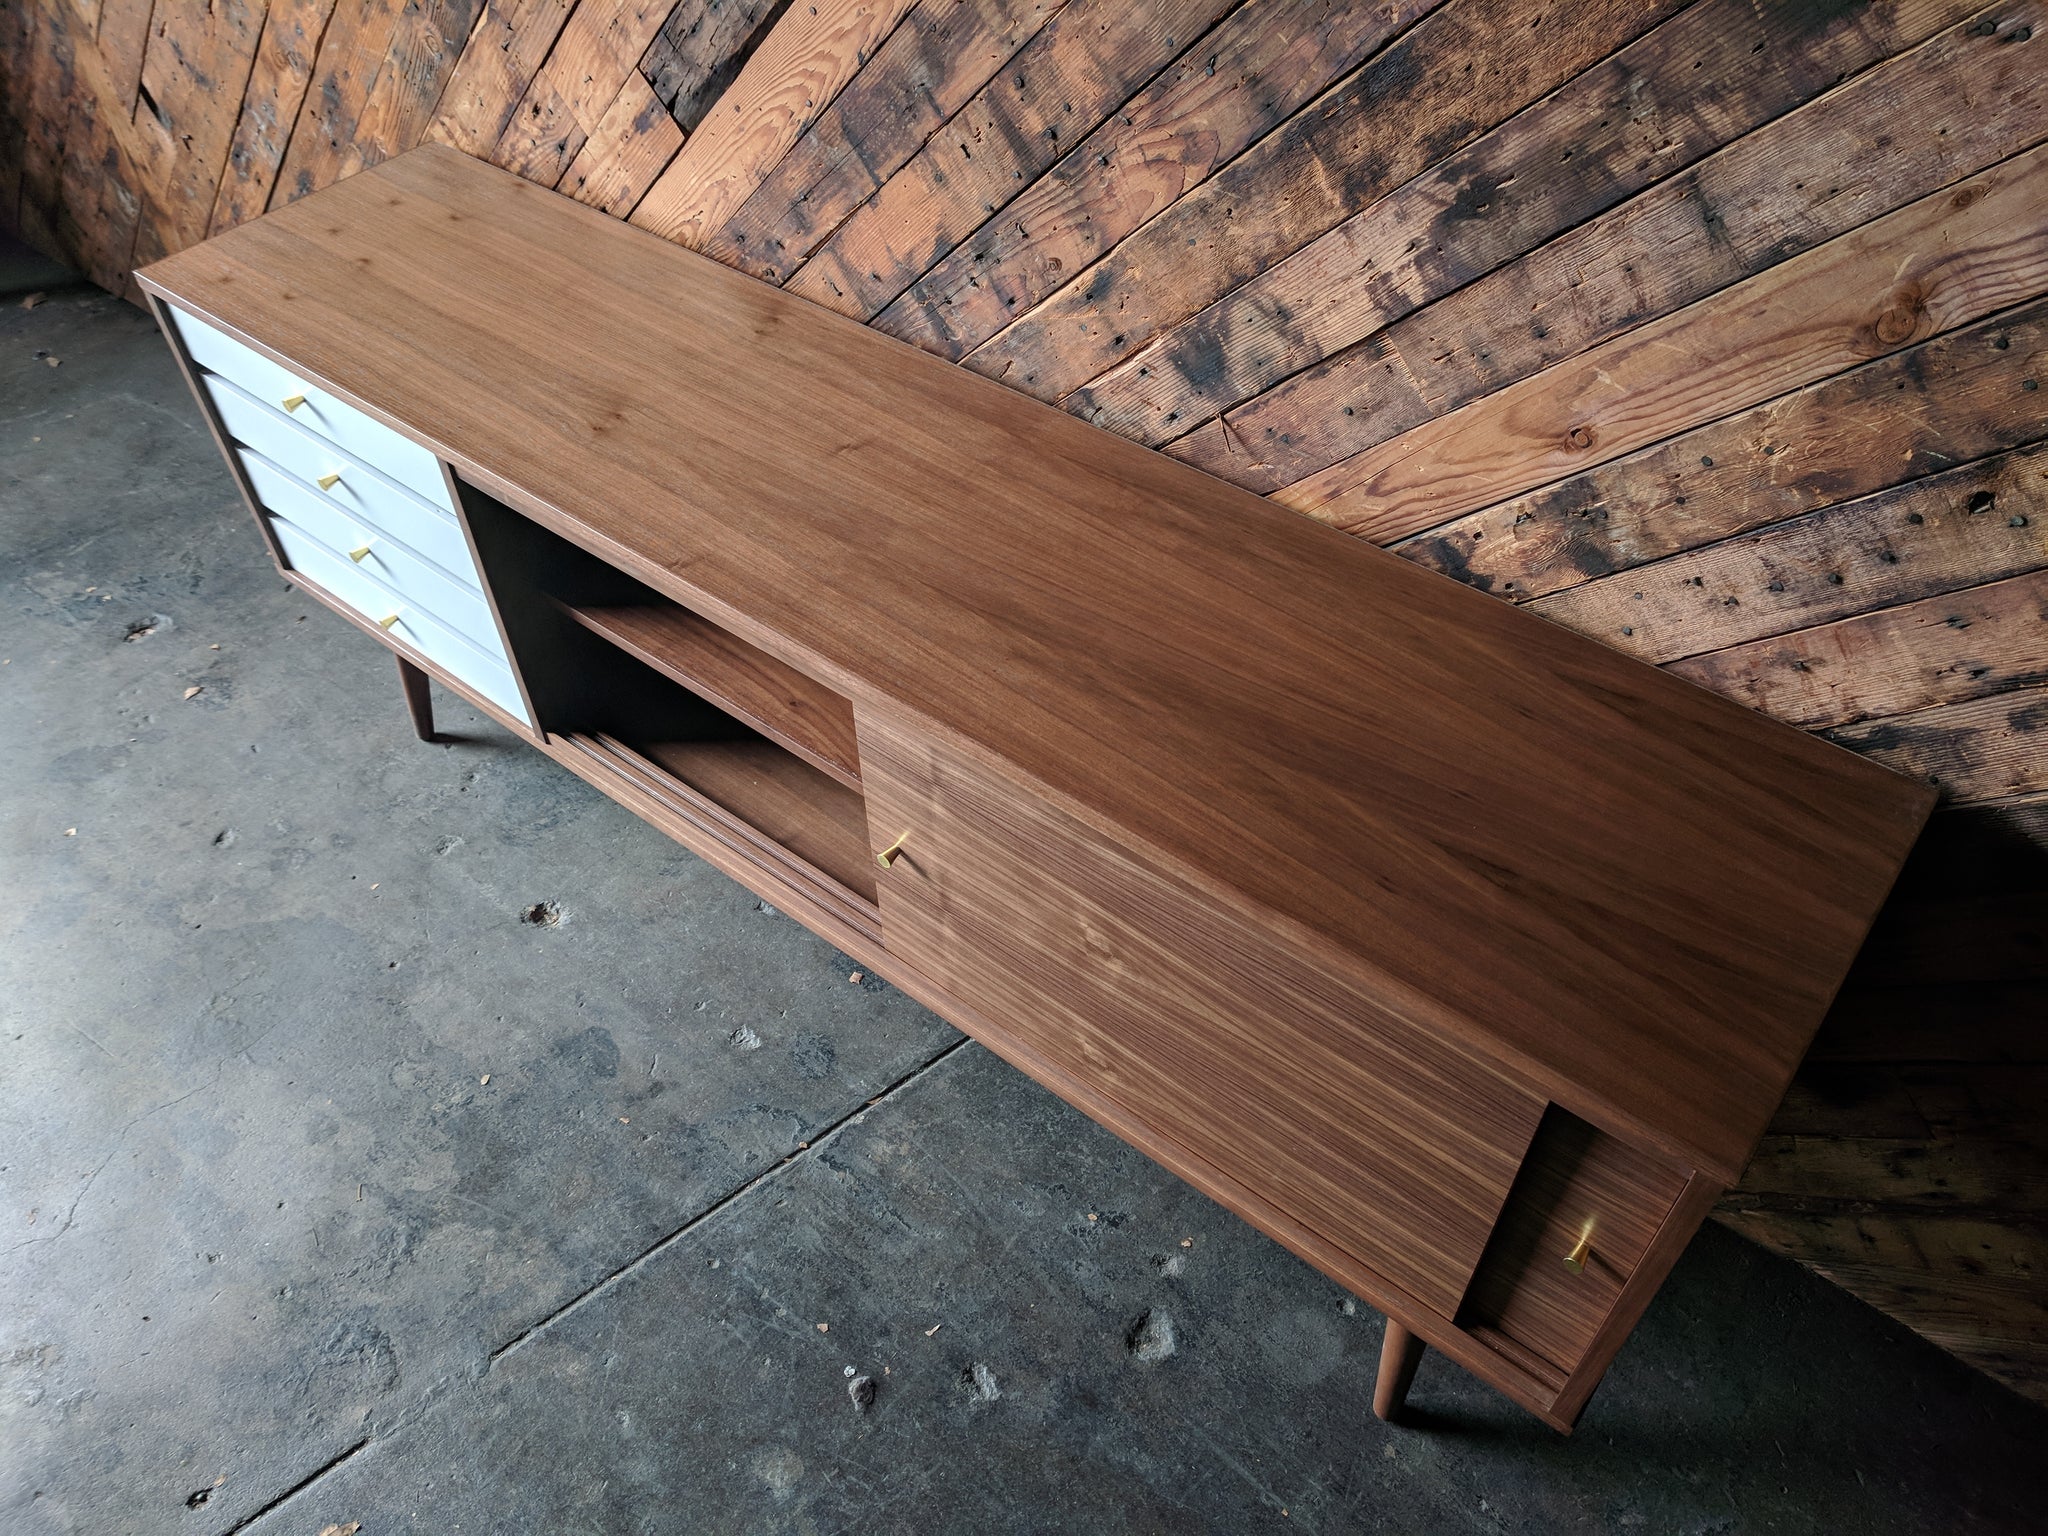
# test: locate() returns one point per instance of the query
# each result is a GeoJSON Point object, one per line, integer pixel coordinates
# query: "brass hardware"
{"type": "Point", "coordinates": [358, 555]}
{"type": "Point", "coordinates": [387, 623]}
{"type": "Point", "coordinates": [328, 482]}
{"type": "Point", "coordinates": [293, 402]}
{"type": "Point", "coordinates": [1575, 1261]}
{"type": "Point", "coordinates": [888, 855]}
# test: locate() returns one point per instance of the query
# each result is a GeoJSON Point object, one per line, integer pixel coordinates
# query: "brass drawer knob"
{"type": "Point", "coordinates": [387, 621]}
{"type": "Point", "coordinates": [359, 554]}
{"type": "Point", "coordinates": [292, 402]}
{"type": "Point", "coordinates": [1575, 1261]}
{"type": "Point", "coordinates": [328, 482]}
{"type": "Point", "coordinates": [889, 854]}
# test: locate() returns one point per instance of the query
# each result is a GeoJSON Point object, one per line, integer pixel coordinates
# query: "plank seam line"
{"type": "Point", "coordinates": [771, 18]}
{"type": "Point", "coordinates": [814, 1146]}
{"type": "Point", "coordinates": [296, 1488]}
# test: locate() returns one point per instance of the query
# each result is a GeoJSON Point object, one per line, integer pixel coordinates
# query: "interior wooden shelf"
{"type": "Point", "coordinates": [786, 800]}
{"type": "Point", "coordinates": [746, 682]}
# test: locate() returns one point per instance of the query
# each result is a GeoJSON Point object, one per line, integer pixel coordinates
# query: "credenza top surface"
{"type": "Point", "coordinates": [1640, 893]}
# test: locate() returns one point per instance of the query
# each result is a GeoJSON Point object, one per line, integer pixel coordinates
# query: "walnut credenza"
{"type": "Point", "coordinates": [1462, 955]}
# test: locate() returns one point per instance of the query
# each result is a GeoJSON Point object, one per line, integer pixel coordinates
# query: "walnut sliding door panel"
{"type": "Point", "coordinates": [1193, 1018]}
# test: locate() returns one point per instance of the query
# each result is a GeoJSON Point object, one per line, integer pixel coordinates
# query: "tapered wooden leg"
{"type": "Point", "coordinates": [1400, 1353]}
{"type": "Point", "coordinates": [418, 703]}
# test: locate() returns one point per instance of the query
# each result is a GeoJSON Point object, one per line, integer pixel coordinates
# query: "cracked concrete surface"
{"type": "Point", "coordinates": [335, 1188]}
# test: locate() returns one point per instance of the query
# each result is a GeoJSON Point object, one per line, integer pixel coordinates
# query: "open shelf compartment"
{"type": "Point", "coordinates": [713, 729]}
{"type": "Point", "coordinates": [746, 682]}
{"type": "Point", "coordinates": [799, 813]}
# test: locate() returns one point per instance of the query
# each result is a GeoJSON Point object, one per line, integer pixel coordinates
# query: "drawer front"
{"type": "Point", "coordinates": [360, 491]}
{"type": "Point", "coordinates": [371, 441]}
{"type": "Point", "coordinates": [1577, 1185]}
{"type": "Point", "coordinates": [334, 574]}
{"type": "Point", "coordinates": [1210, 1031]}
{"type": "Point", "coordinates": [419, 583]}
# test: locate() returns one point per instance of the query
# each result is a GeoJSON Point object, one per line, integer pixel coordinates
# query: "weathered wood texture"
{"type": "Point", "coordinates": [1716, 331]}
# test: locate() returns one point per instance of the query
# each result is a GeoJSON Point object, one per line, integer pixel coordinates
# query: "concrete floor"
{"type": "Point", "coordinates": [334, 1191]}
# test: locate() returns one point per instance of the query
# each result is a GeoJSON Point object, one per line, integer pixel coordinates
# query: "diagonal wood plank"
{"type": "Point", "coordinates": [1085, 63]}
{"type": "Point", "coordinates": [292, 30]}
{"type": "Point", "coordinates": [597, 50]}
{"type": "Point", "coordinates": [1985, 749]}
{"type": "Point", "coordinates": [1952, 399]}
{"type": "Point", "coordinates": [1459, 72]}
{"type": "Point", "coordinates": [701, 49]}
{"type": "Point", "coordinates": [350, 57]}
{"type": "Point", "coordinates": [418, 61]}
{"type": "Point", "coordinates": [929, 68]}
{"type": "Point", "coordinates": [1264, 61]}
{"type": "Point", "coordinates": [1941, 534]}
{"type": "Point", "coordinates": [88, 163]}
{"type": "Point", "coordinates": [193, 81]}
{"type": "Point", "coordinates": [1941, 262]}
{"type": "Point", "coordinates": [122, 34]}
{"type": "Point", "coordinates": [1966, 1281]}
{"type": "Point", "coordinates": [792, 78]}
{"type": "Point", "coordinates": [504, 53]}
{"type": "Point", "coordinates": [1844, 1122]}
{"type": "Point", "coordinates": [1626, 127]}
{"type": "Point", "coordinates": [16, 65]}
{"type": "Point", "coordinates": [97, 216]}
{"type": "Point", "coordinates": [630, 146]}
{"type": "Point", "coordinates": [1965, 100]}
{"type": "Point", "coordinates": [42, 88]}
{"type": "Point", "coordinates": [1939, 650]}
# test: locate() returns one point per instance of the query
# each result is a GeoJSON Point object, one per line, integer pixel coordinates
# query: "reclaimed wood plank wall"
{"type": "Point", "coordinates": [1713, 330]}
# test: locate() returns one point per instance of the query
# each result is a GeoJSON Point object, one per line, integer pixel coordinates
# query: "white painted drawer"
{"type": "Point", "coordinates": [488, 675]}
{"type": "Point", "coordinates": [371, 441]}
{"type": "Point", "coordinates": [361, 491]}
{"type": "Point", "coordinates": [459, 607]}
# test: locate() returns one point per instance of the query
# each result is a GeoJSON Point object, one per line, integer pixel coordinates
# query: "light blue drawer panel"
{"type": "Point", "coordinates": [371, 441]}
{"type": "Point", "coordinates": [332, 573]}
{"type": "Point", "coordinates": [360, 491]}
{"type": "Point", "coordinates": [455, 605]}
